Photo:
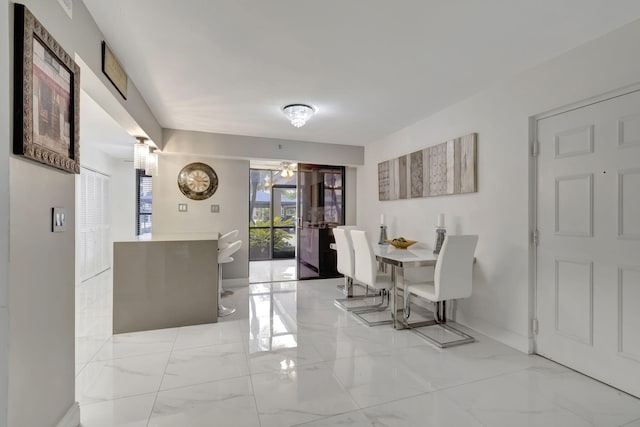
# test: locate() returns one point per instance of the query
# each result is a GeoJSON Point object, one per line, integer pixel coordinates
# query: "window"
{"type": "Point", "coordinates": [143, 203]}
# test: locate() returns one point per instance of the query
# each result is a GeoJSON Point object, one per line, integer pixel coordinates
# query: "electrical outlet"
{"type": "Point", "coordinates": [215, 208]}
{"type": "Point", "coordinates": [58, 220]}
{"type": "Point", "coordinates": [182, 207]}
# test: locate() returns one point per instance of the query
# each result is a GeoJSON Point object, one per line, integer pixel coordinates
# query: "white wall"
{"type": "Point", "coordinates": [41, 269]}
{"type": "Point", "coordinates": [122, 194]}
{"type": "Point", "coordinates": [41, 289]}
{"type": "Point", "coordinates": [123, 201]}
{"type": "Point", "coordinates": [232, 196]}
{"type": "Point", "coordinates": [97, 160]}
{"type": "Point", "coordinates": [41, 296]}
{"type": "Point", "coordinates": [5, 99]}
{"type": "Point", "coordinates": [350, 191]}
{"type": "Point", "coordinates": [499, 212]}
{"type": "Point", "coordinates": [248, 147]}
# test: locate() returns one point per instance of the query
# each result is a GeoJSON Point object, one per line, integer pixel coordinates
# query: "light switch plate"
{"type": "Point", "coordinates": [182, 207]}
{"type": "Point", "coordinates": [215, 208]}
{"type": "Point", "coordinates": [58, 220]}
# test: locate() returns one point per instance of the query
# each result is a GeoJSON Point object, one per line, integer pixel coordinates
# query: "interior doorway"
{"type": "Point", "coordinates": [272, 221]}
{"type": "Point", "coordinates": [105, 211]}
{"type": "Point", "coordinates": [272, 214]}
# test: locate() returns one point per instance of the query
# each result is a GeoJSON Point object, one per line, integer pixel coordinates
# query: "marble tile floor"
{"type": "Point", "coordinates": [272, 270]}
{"type": "Point", "coordinates": [290, 357]}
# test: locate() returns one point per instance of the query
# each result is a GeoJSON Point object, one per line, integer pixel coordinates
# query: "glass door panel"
{"type": "Point", "coordinates": [283, 199]}
{"type": "Point", "coordinates": [259, 243]}
{"type": "Point", "coordinates": [320, 209]}
{"type": "Point", "coordinates": [259, 214]}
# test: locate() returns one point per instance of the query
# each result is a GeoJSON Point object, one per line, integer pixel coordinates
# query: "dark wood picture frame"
{"type": "Point", "coordinates": [46, 96]}
{"type": "Point", "coordinates": [113, 70]}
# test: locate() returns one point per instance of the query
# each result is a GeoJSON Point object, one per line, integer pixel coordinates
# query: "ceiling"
{"type": "Point", "coordinates": [370, 67]}
{"type": "Point", "coordinates": [102, 131]}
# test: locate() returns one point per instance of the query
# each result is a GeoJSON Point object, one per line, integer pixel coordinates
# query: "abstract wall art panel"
{"type": "Point", "coordinates": [447, 168]}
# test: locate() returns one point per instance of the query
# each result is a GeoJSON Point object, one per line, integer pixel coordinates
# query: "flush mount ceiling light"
{"type": "Point", "coordinates": [298, 113]}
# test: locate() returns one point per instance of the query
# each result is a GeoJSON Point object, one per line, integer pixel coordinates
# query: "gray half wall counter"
{"type": "Point", "coordinates": [165, 282]}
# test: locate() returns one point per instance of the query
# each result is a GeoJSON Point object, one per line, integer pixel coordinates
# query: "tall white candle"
{"type": "Point", "coordinates": [381, 219]}
{"type": "Point", "coordinates": [440, 223]}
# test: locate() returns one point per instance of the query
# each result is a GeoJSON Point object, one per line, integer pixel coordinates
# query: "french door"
{"type": "Point", "coordinates": [588, 256]}
{"type": "Point", "coordinates": [320, 209]}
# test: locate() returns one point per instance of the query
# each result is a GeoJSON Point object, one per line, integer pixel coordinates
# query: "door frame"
{"type": "Point", "coordinates": [533, 148]}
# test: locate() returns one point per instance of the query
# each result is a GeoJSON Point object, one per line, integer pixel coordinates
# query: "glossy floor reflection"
{"type": "Point", "coordinates": [276, 270]}
{"type": "Point", "coordinates": [290, 357]}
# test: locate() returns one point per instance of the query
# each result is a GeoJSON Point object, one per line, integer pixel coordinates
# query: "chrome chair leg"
{"type": "Point", "coordinates": [464, 337]}
{"type": "Point", "coordinates": [354, 302]}
{"type": "Point", "coordinates": [440, 320]}
{"type": "Point", "coordinates": [407, 305]}
{"type": "Point", "coordinates": [225, 292]}
{"type": "Point", "coordinates": [222, 310]}
{"type": "Point", "coordinates": [382, 307]}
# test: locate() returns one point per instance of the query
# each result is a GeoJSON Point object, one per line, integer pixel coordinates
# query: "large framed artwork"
{"type": "Point", "coordinates": [46, 96]}
{"type": "Point", "coordinates": [446, 168]}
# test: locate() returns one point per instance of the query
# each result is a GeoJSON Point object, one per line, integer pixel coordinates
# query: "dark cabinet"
{"type": "Point", "coordinates": [315, 257]}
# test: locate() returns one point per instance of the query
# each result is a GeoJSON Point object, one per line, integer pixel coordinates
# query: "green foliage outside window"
{"type": "Point", "coordinates": [260, 238]}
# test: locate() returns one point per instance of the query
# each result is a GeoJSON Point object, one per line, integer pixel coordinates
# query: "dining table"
{"type": "Point", "coordinates": [399, 260]}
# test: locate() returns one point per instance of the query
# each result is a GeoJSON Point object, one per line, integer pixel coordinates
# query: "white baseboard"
{"type": "Point", "coordinates": [235, 283]}
{"type": "Point", "coordinates": [72, 417]}
{"type": "Point", "coordinates": [506, 337]}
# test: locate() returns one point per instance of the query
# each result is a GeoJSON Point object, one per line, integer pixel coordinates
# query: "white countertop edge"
{"type": "Point", "coordinates": [173, 237]}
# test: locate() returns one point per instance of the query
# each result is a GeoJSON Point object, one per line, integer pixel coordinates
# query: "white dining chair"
{"type": "Point", "coordinates": [366, 272]}
{"type": "Point", "coordinates": [225, 257]}
{"type": "Point", "coordinates": [346, 266]}
{"type": "Point", "coordinates": [452, 280]}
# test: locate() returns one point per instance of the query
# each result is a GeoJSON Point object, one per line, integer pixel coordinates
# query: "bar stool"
{"type": "Point", "coordinates": [224, 241]}
{"type": "Point", "coordinates": [227, 238]}
{"type": "Point", "coordinates": [224, 257]}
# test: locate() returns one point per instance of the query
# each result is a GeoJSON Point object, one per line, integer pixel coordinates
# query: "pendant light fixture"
{"type": "Point", "coordinates": [140, 153]}
{"type": "Point", "coordinates": [152, 162]}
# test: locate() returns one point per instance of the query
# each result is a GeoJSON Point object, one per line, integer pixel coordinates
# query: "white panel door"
{"type": "Point", "coordinates": [588, 256]}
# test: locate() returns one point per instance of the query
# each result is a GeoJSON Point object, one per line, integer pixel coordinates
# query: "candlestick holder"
{"type": "Point", "coordinates": [440, 234]}
{"type": "Point", "coordinates": [383, 235]}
